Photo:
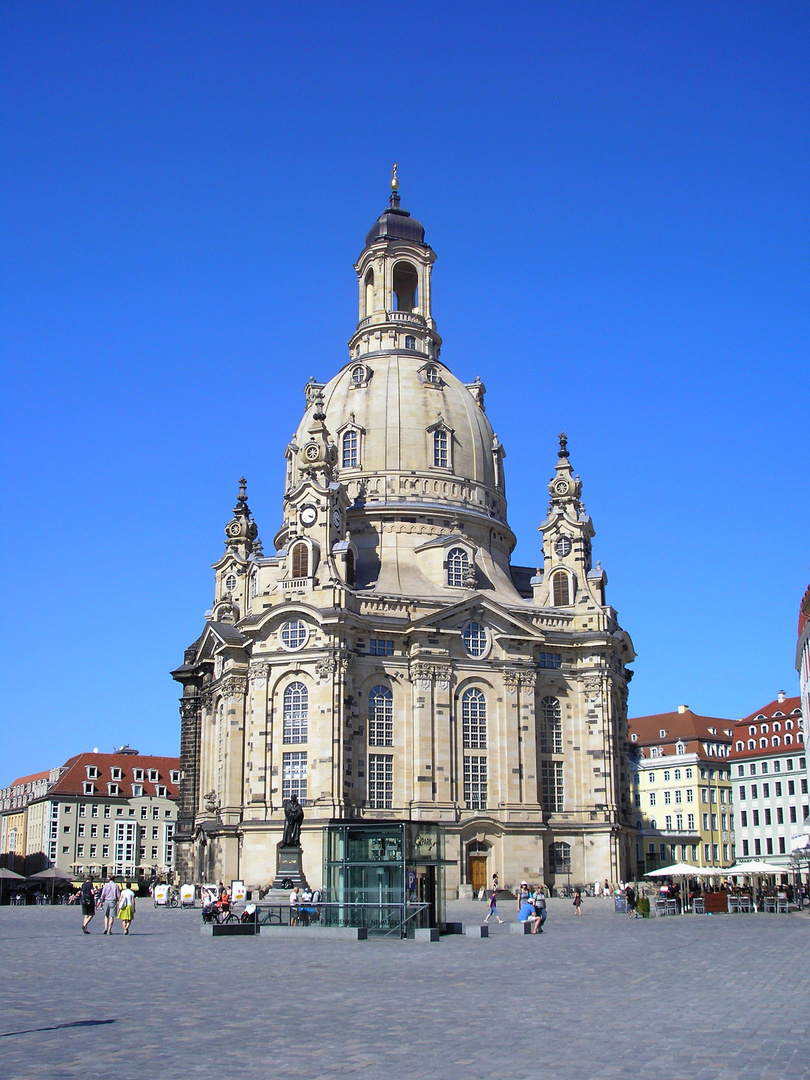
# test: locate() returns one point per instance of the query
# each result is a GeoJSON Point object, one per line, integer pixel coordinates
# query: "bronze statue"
{"type": "Point", "coordinates": [294, 813]}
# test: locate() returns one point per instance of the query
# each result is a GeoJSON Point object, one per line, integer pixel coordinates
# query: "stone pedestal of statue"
{"type": "Point", "coordinates": [288, 869]}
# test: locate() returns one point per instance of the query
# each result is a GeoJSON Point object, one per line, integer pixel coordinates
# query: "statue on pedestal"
{"type": "Point", "coordinates": [294, 814]}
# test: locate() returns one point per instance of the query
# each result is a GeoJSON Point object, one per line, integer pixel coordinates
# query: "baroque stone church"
{"type": "Point", "coordinates": [385, 660]}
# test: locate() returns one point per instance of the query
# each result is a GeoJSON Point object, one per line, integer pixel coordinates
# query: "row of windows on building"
{"type": "Point", "coordinates": [767, 816]}
{"type": "Point", "coordinates": [688, 852]}
{"type": "Point", "coordinates": [295, 718]}
{"type": "Point", "coordinates": [778, 788]}
{"type": "Point", "coordinates": [707, 795]}
{"type": "Point", "coordinates": [764, 768]}
{"type": "Point", "coordinates": [105, 810]}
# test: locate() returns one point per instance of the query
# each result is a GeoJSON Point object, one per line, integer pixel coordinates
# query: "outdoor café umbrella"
{"type": "Point", "coordinates": [9, 875]}
{"type": "Point", "coordinates": [52, 874]}
{"type": "Point", "coordinates": [682, 870]}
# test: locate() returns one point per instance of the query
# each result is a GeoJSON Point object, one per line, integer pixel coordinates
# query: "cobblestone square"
{"type": "Point", "coordinates": [597, 997]}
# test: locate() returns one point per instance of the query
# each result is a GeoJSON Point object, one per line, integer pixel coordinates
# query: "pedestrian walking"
{"type": "Point", "coordinates": [577, 902]}
{"type": "Point", "coordinates": [630, 897]}
{"type": "Point", "coordinates": [87, 898]}
{"type": "Point", "coordinates": [110, 895]}
{"type": "Point", "coordinates": [493, 907]}
{"type": "Point", "coordinates": [126, 907]}
{"type": "Point", "coordinates": [539, 902]}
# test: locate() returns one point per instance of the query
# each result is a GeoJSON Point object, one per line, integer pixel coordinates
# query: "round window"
{"type": "Point", "coordinates": [230, 582]}
{"type": "Point", "coordinates": [475, 639]}
{"type": "Point", "coordinates": [358, 374]}
{"type": "Point", "coordinates": [294, 634]}
{"type": "Point", "coordinates": [563, 547]}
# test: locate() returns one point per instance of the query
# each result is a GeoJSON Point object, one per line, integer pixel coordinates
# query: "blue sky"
{"type": "Point", "coordinates": [617, 194]}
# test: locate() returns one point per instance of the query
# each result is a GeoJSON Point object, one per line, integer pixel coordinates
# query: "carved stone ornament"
{"type": "Point", "coordinates": [234, 686]}
{"type": "Point", "coordinates": [259, 669]}
{"type": "Point", "coordinates": [592, 684]}
{"type": "Point", "coordinates": [208, 699]}
{"type": "Point", "coordinates": [189, 709]}
{"type": "Point", "coordinates": [326, 667]}
{"type": "Point", "coordinates": [422, 674]}
{"type": "Point", "coordinates": [519, 677]}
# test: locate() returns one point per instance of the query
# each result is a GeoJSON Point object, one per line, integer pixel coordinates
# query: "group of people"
{"type": "Point", "coordinates": [114, 901]}
{"type": "Point", "coordinates": [302, 904]}
{"type": "Point", "coordinates": [531, 905]}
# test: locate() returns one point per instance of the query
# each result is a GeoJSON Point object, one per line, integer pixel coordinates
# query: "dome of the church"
{"type": "Point", "coordinates": [406, 427]}
{"type": "Point", "coordinates": [396, 224]}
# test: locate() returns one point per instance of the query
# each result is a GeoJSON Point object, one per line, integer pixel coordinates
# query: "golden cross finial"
{"type": "Point", "coordinates": [394, 181]}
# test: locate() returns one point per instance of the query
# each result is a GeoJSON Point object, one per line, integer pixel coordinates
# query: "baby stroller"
{"type": "Point", "coordinates": [210, 912]}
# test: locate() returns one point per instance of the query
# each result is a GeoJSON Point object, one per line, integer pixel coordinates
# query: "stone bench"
{"type": "Point", "coordinates": [247, 929]}
{"type": "Point", "coordinates": [521, 927]}
{"type": "Point", "coordinates": [313, 931]}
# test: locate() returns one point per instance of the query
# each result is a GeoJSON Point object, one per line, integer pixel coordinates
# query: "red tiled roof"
{"type": "Point", "coordinates": [73, 779]}
{"type": "Point", "coordinates": [768, 712]}
{"type": "Point", "coordinates": [764, 719]}
{"type": "Point", "coordinates": [30, 779]}
{"type": "Point", "coordinates": [684, 726]}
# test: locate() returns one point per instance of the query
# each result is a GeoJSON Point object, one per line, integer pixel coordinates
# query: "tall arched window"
{"type": "Point", "coordinates": [440, 449]}
{"type": "Point", "coordinates": [457, 566]}
{"type": "Point", "coordinates": [551, 731]}
{"type": "Point", "coordinates": [562, 591]}
{"type": "Point", "coordinates": [559, 857]}
{"type": "Point", "coordinates": [300, 560]}
{"type": "Point", "coordinates": [474, 719]}
{"type": "Point", "coordinates": [350, 568]}
{"type": "Point", "coordinates": [350, 447]}
{"type": "Point", "coordinates": [369, 283]}
{"type": "Point", "coordinates": [296, 707]}
{"type": "Point", "coordinates": [380, 716]}
{"type": "Point", "coordinates": [406, 287]}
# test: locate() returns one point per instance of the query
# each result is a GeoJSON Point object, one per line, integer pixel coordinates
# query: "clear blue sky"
{"type": "Point", "coordinates": [618, 196]}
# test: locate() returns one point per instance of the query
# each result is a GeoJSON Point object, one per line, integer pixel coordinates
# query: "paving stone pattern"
{"type": "Point", "coordinates": [704, 997]}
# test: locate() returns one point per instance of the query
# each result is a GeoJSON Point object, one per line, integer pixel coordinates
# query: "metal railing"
{"type": "Point", "coordinates": [384, 919]}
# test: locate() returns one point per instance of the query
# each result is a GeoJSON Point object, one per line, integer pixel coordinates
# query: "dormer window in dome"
{"type": "Point", "coordinates": [440, 450]}
{"type": "Point", "coordinates": [431, 376]}
{"type": "Point", "coordinates": [410, 342]}
{"type": "Point", "coordinates": [350, 440]}
{"type": "Point", "coordinates": [360, 376]}
{"type": "Point", "coordinates": [405, 287]}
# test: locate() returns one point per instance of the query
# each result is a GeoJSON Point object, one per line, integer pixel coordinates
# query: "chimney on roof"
{"type": "Point", "coordinates": [780, 697]}
{"type": "Point", "coordinates": [683, 708]}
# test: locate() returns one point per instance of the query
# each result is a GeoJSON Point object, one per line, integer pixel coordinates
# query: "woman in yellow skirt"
{"type": "Point", "coordinates": [126, 907]}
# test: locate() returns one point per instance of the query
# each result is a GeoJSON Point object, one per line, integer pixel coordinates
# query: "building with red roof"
{"type": "Point", "coordinates": [681, 783]}
{"type": "Point", "coordinates": [14, 801]}
{"type": "Point", "coordinates": [107, 813]}
{"type": "Point", "coordinates": [769, 778]}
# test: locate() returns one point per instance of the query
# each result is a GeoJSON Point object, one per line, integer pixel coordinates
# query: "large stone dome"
{"type": "Point", "coordinates": [401, 407]}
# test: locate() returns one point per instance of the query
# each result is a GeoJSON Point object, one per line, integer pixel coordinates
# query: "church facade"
{"type": "Point", "coordinates": [386, 660]}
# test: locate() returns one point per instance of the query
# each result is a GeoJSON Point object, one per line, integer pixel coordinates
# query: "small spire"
{"type": "Point", "coordinates": [242, 499]}
{"type": "Point", "coordinates": [394, 187]}
{"type": "Point", "coordinates": [563, 445]}
{"type": "Point", "coordinates": [319, 413]}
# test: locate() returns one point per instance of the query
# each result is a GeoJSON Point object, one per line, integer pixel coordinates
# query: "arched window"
{"type": "Point", "coordinates": [559, 857]}
{"type": "Point", "coordinates": [774, 740]}
{"type": "Point", "coordinates": [380, 716]}
{"type": "Point", "coordinates": [562, 591]}
{"type": "Point", "coordinates": [752, 744]}
{"type": "Point", "coordinates": [778, 727]}
{"type": "Point", "coordinates": [410, 341]}
{"type": "Point", "coordinates": [474, 719]}
{"type": "Point", "coordinates": [406, 287]}
{"type": "Point", "coordinates": [457, 566]}
{"type": "Point", "coordinates": [432, 375]}
{"type": "Point", "coordinates": [296, 707]}
{"type": "Point", "coordinates": [440, 449]}
{"type": "Point", "coordinates": [763, 743]}
{"type": "Point", "coordinates": [369, 283]}
{"type": "Point", "coordinates": [359, 374]}
{"type": "Point", "coordinates": [789, 739]}
{"type": "Point", "coordinates": [350, 568]}
{"type": "Point", "coordinates": [300, 560]}
{"type": "Point", "coordinates": [551, 730]}
{"type": "Point", "coordinates": [350, 449]}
